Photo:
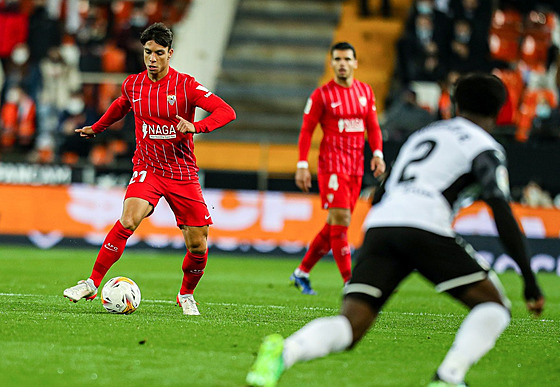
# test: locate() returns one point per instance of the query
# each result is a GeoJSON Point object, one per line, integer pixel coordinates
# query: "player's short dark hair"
{"type": "Point", "coordinates": [478, 93]}
{"type": "Point", "coordinates": [159, 33]}
{"type": "Point", "coordinates": [343, 46]}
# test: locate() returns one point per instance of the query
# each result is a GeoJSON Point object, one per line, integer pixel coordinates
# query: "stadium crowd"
{"type": "Point", "coordinates": [53, 52]}
{"type": "Point", "coordinates": [47, 50]}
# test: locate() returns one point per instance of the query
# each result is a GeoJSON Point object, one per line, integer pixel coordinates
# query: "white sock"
{"type": "Point", "coordinates": [476, 336]}
{"type": "Point", "coordinates": [317, 339]}
{"type": "Point", "coordinates": [300, 273]}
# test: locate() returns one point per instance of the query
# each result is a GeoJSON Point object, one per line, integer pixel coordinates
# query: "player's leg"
{"type": "Point", "coordinates": [187, 202]}
{"type": "Point", "coordinates": [339, 219]}
{"type": "Point", "coordinates": [452, 266]}
{"type": "Point", "coordinates": [134, 210]}
{"type": "Point", "coordinates": [488, 318]}
{"type": "Point", "coordinates": [376, 275]}
{"type": "Point", "coordinates": [320, 245]}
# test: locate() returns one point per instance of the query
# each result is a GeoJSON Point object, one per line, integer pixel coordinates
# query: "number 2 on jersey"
{"type": "Point", "coordinates": [429, 146]}
{"type": "Point", "coordinates": [135, 174]}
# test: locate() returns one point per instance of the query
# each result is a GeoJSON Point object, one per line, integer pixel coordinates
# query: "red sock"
{"type": "Point", "coordinates": [110, 252]}
{"type": "Point", "coordinates": [193, 269]}
{"type": "Point", "coordinates": [317, 249]}
{"type": "Point", "coordinates": [341, 251]}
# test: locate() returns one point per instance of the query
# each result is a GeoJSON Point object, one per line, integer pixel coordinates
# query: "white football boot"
{"type": "Point", "coordinates": [84, 289]}
{"type": "Point", "coordinates": [188, 304]}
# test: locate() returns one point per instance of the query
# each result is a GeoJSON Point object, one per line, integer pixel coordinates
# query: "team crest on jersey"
{"type": "Point", "coordinates": [171, 99]}
{"type": "Point", "coordinates": [363, 101]}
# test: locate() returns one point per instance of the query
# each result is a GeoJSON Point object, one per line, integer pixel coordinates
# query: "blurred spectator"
{"type": "Point", "coordinates": [446, 107]}
{"type": "Point", "coordinates": [71, 12]}
{"type": "Point", "coordinates": [478, 13]}
{"type": "Point", "coordinates": [44, 32]}
{"type": "Point", "coordinates": [546, 123]}
{"type": "Point", "coordinates": [91, 39]}
{"type": "Point", "coordinates": [60, 79]}
{"type": "Point", "coordinates": [20, 72]}
{"type": "Point", "coordinates": [404, 116]}
{"type": "Point", "coordinates": [128, 39]}
{"type": "Point", "coordinates": [535, 196]}
{"type": "Point", "coordinates": [13, 27]}
{"type": "Point", "coordinates": [17, 120]}
{"type": "Point", "coordinates": [75, 115]}
{"type": "Point", "coordinates": [466, 53]}
{"type": "Point", "coordinates": [419, 53]}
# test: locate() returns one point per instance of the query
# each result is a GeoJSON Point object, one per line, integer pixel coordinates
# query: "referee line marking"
{"type": "Point", "coordinates": [324, 309]}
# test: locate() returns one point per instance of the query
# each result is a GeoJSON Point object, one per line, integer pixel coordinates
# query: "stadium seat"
{"type": "Point", "coordinates": [113, 59]}
{"type": "Point", "coordinates": [515, 86]}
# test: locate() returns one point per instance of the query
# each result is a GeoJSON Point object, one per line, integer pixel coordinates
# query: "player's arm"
{"type": "Point", "coordinates": [490, 171]}
{"type": "Point", "coordinates": [220, 112]}
{"type": "Point", "coordinates": [118, 109]}
{"type": "Point", "coordinates": [311, 116]}
{"type": "Point", "coordinates": [375, 140]}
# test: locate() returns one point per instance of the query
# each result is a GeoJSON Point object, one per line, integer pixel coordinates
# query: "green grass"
{"type": "Point", "coordinates": [45, 340]}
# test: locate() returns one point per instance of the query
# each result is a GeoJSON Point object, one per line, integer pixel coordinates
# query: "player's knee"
{"type": "Point", "coordinates": [197, 247]}
{"type": "Point", "coordinates": [129, 223]}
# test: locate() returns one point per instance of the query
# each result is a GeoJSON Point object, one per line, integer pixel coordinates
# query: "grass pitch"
{"type": "Point", "coordinates": [45, 340]}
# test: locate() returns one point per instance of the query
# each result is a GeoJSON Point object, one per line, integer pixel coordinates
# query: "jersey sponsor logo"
{"type": "Point", "coordinates": [159, 132]}
{"type": "Point", "coordinates": [334, 105]}
{"type": "Point", "coordinates": [308, 105]}
{"type": "Point", "coordinates": [202, 88]}
{"type": "Point", "coordinates": [362, 100]}
{"type": "Point", "coordinates": [171, 99]}
{"type": "Point", "coordinates": [351, 125]}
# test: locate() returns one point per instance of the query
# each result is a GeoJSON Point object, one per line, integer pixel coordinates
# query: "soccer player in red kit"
{"type": "Point", "coordinates": [163, 101]}
{"type": "Point", "coordinates": [345, 108]}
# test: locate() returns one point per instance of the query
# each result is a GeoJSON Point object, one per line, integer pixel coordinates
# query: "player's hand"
{"type": "Point", "coordinates": [86, 132]}
{"type": "Point", "coordinates": [377, 166]}
{"type": "Point", "coordinates": [303, 179]}
{"type": "Point", "coordinates": [185, 126]}
{"type": "Point", "coordinates": [535, 306]}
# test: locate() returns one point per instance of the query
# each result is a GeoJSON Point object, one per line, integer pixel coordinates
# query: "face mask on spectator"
{"type": "Point", "coordinates": [543, 110]}
{"type": "Point", "coordinates": [424, 7]}
{"type": "Point", "coordinates": [463, 37]}
{"type": "Point", "coordinates": [138, 21]}
{"type": "Point", "coordinates": [20, 55]}
{"type": "Point", "coordinates": [12, 96]}
{"type": "Point", "coordinates": [75, 106]}
{"type": "Point", "coordinates": [423, 33]}
{"type": "Point", "coordinates": [70, 54]}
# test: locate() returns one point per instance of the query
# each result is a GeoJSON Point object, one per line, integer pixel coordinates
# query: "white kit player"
{"type": "Point", "coordinates": [438, 168]}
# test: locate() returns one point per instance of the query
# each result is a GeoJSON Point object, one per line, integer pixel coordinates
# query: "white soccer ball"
{"type": "Point", "coordinates": [120, 295]}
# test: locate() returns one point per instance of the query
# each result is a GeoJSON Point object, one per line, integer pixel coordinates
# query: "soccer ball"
{"type": "Point", "coordinates": [120, 295]}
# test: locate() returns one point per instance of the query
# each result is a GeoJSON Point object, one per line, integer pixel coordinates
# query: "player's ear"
{"type": "Point", "coordinates": [170, 53]}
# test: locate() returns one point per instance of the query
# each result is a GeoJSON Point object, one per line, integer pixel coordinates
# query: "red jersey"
{"type": "Point", "coordinates": [345, 114]}
{"type": "Point", "coordinates": [159, 145]}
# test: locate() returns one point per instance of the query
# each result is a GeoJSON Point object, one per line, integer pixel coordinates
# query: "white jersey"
{"type": "Point", "coordinates": [429, 179]}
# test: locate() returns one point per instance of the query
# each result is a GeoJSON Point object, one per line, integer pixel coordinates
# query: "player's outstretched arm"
{"type": "Point", "coordinates": [86, 132]}
{"type": "Point", "coordinates": [515, 244]}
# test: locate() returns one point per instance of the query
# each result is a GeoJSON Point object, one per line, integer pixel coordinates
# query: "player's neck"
{"type": "Point", "coordinates": [344, 82]}
{"type": "Point", "coordinates": [158, 76]}
{"type": "Point", "coordinates": [486, 123]}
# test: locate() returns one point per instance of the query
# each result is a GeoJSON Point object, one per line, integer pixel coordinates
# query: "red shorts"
{"type": "Point", "coordinates": [184, 197]}
{"type": "Point", "coordinates": [339, 190]}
